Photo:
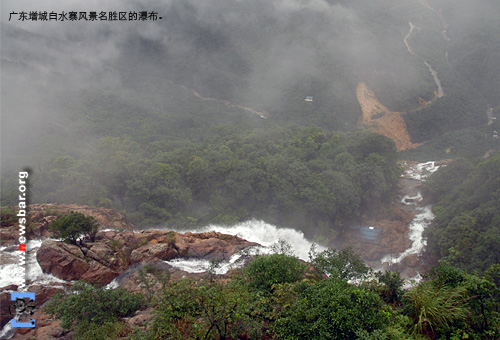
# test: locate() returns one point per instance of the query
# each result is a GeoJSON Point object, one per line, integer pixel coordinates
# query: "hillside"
{"type": "Point", "coordinates": [153, 80]}
{"type": "Point", "coordinates": [274, 296]}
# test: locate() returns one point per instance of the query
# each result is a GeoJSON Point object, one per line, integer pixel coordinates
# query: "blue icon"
{"type": "Point", "coordinates": [21, 309]}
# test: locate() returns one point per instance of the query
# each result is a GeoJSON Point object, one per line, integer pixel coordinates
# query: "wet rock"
{"type": "Point", "coordinates": [411, 261]}
{"type": "Point", "coordinates": [68, 262]}
{"type": "Point", "coordinates": [101, 261]}
{"type": "Point", "coordinates": [61, 260]}
{"type": "Point", "coordinates": [46, 329]}
{"type": "Point", "coordinates": [106, 218]}
{"type": "Point", "coordinates": [7, 258]}
{"type": "Point", "coordinates": [142, 319]}
{"type": "Point", "coordinates": [4, 312]}
{"type": "Point", "coordinates": [39, 217]}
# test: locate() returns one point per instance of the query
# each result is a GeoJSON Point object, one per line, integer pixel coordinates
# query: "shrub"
{"type": "Point", "coordinates": [88, 304]}
{"type": "Point", "coordinates": [72, 226]}
{"type": "Point", "coordinates": [266, 271]}
{"type": "Point", "coordinates": [434, 306]}
{"type": "Point", "coordinates": [204, 310]}
{"type": "Point", "coordinates": [331, 309]}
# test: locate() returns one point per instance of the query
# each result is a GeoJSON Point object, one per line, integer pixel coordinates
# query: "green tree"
{"type": "Point", "coordinates": [266, 271]}
{"type": "Point", "coordinates": [75, 225]}
{"type": "Point", "coordinates": [394, 286]}
{"type": "Point", "coordinates": [344, 265]}
{"type": "Point", "coordinates": [207, 310]}
{"type": "Point", "coordinates": [330, 309]}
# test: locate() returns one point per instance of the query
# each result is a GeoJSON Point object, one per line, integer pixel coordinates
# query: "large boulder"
{"type": "Point", "coordinates": [101, 261]}
{"type": "Point", "coordinates": [5, 302]}
{"type": "Point", "coordinates": [68, 262]}
{"type": "Point", "coordinates": [210, 245]}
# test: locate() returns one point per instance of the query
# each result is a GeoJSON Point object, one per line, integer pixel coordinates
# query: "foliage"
{"type": "Point", "coordinates": [105, 331]}
{"type": "Point", "coordinates": [433, 306]}
{"type": "Point", "coordinates": [285, 175]}
{"type": "Point", "coordinates": [148, 278]}
{"type": "Point", "coordinates": [330, 309]}
{"type": "Point", "coordinates": [207, 310]}
{"type": "Point", "coordinates": [450, 304]}
{"type": "Point", "coordinates": [343, 265]}
{"type": "Point", "coordinates": [8, 216]}
{"type": "Point", "coordinates": [85, 304]}
{"type": "Point", "coordinates": [393, 284]}
{"type": "Point", "coordinates": [466, 230]}
{"type": "Point", "coordinates": [72, 226]}
{"type": "Point", "coordinates": [266, 271]}
{"type": "Point", "coordinates": [467, 143]}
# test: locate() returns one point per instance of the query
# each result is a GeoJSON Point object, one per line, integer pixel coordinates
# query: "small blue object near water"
{"type": "Point", "coordinates": [367, 234]}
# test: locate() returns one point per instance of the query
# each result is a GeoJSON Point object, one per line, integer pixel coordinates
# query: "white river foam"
{"type": "Point", "coordinates": [254, 231]}
{"type": "Point", "coordinates": [417, 227]}
{"type": "Point", "coordinates": [14, 274]}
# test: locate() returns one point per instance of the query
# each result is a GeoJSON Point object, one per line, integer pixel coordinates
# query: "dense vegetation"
{"type": "Point", "coordinates": [299, 177]}
{"type": "Point", "coordinates": [92, 308]}
{"type": "Point", "coordinates": [260, 302]}
{"type": "Point", "coordinates": [133, 129]}
{"type": "Point", "coordinates": [466, 230]}
{"type": "Point", "coordinates": [466, 143]}
{"type": "Point", "coordinates": [269, 60]}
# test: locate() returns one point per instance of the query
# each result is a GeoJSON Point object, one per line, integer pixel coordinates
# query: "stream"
{"type": "Point", "coordinates": [439, 93]}
{"type": "Point", "coordinates": [413, 175]}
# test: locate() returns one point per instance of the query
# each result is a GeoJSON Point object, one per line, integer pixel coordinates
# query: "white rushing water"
{"type": "Point", "coordinates": [423, 217]}
{"type": "Point", "coordinates": [200, 266]}
{"type": "Point", "coordinates": [417, 226]}
{"type": "Point", "coordinates": [421, 171]}
{"type": "Point", "coordinates": [254, 231]}
{"type": "Point", "coordinates": [13, 274]}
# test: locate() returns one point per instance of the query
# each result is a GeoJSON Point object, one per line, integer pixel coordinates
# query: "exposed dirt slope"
{"type": "Point", "coordinates": [380, 119]}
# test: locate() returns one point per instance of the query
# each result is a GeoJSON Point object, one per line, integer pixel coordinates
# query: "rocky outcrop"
{"type": "Point", "coordinates": [394, 237]}
{"type": "Point", "coordinates": [46, 329]}
{"type": "Point", "coordinates": [106, 218]}
{"type": "Point", "coordinates": [100, 262]}
{"type": "Point", "coordinates": [39, 217]}
{"type": "Point", "coordinates": [68, 262]}
{"type": "Point", "coordinates": [135, 259]}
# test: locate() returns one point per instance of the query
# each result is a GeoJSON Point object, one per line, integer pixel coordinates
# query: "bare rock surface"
{"type": "Point", "coordinates": [39, 216]}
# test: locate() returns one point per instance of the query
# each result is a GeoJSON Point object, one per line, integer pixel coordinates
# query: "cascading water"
{"type": "Point", "coordinates": [254, 231]}
{"type": "Point", "coordinates": [417, 227]}
{"type": "Point", "coordinates": [423, 217]}
{"type": "Point", "coordinates": [13, 274]}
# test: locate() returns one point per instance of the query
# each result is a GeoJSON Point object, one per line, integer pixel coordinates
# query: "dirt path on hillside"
{"type": "Point", "coordinates": [262, 114]}
{"type": "Point", "coordinates": [380, 119]}
{"type": "Point", "coordinates": [405, 40]}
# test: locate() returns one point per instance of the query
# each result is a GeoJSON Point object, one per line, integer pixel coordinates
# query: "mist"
{"type": "Point", "coordinates": [266, 55]}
